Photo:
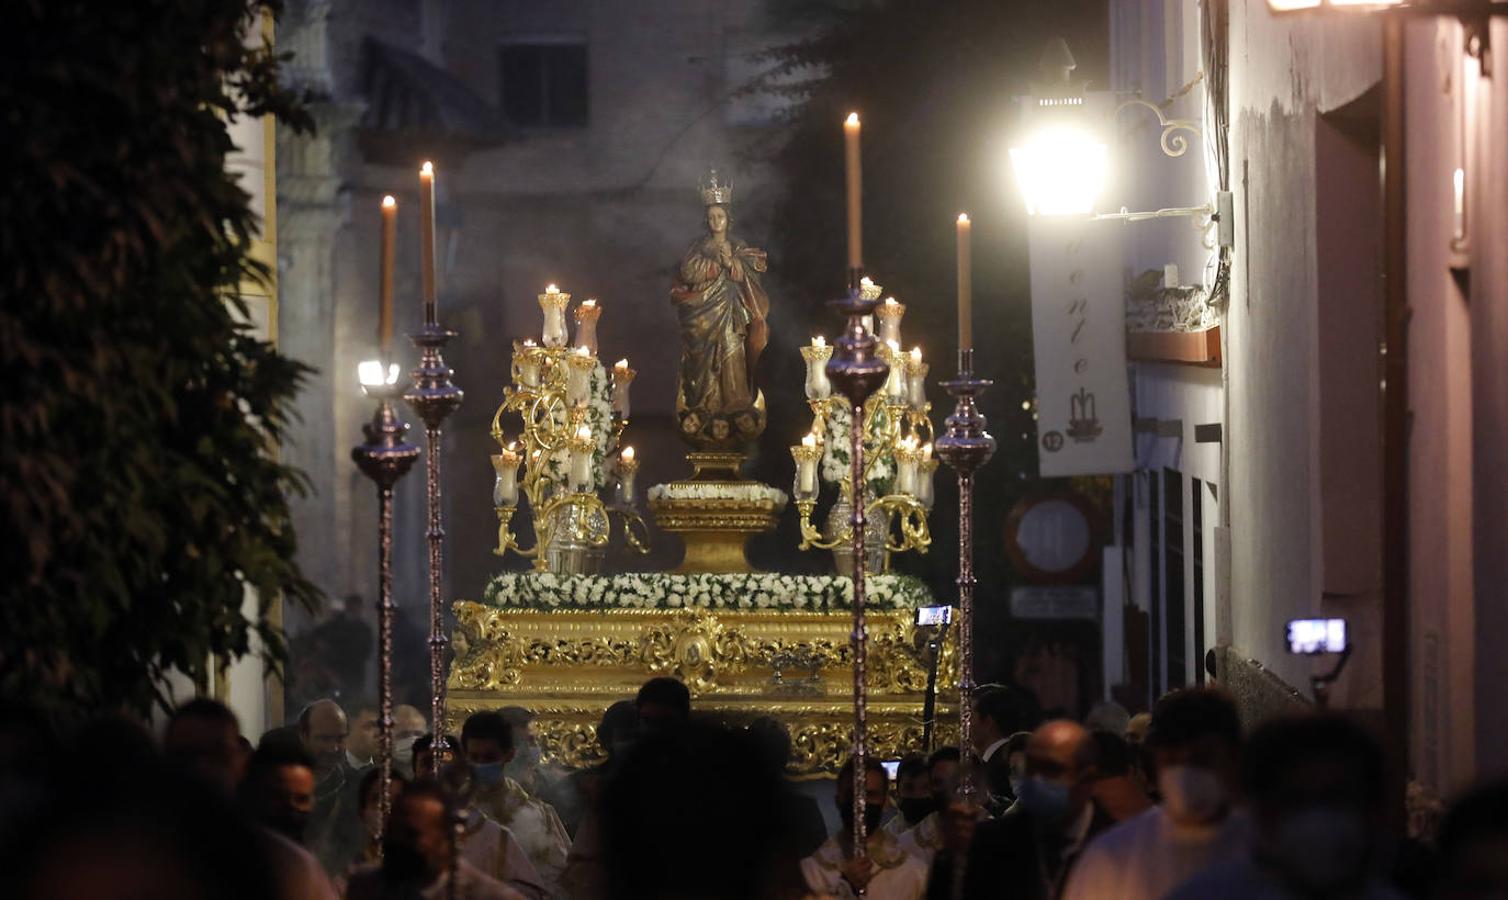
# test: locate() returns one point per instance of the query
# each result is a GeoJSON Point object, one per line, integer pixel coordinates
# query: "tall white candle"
{"type": "Point", "coordinates": [854, 179]}
{"type": "Point", "coordinates": [427, 240]}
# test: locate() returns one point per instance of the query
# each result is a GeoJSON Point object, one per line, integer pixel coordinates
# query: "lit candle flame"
{"type": "Point", "coordinates": [621, 365]}
{"type": "Point", "coordinates": [891, 301]}
{"type": "Point", "coordinates": [529, 342]}
{"type": "Point", "coordinates": [590, 301]}
{"type": "Point", "coordinates": [852, 121]}
{"type": "Point", "coordinates": [427, 170]}
{"type": "Point", "coordinates": [916, 355]}
{"type": "Point", "coordinates": [388, 202]}
{"type": "Point", "coordinates": [819, 342]}
{"type": "Point", "coordinates": [809, 441]}
{"type": "Point", "coordinates": [551, 289]}
{"type": "Point", "coordinates": [963, 218]}
{"type": "Point", "coordinates": [628, 454]}
{"type": "Point", "coordinates": [866, 281]}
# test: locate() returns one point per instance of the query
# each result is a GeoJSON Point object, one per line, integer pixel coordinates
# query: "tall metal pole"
{"type": "Point", "coordinates": [384, 457]}
{"type": "Point", "coordinates": [965, 446]}
{"type": "Point", "coordinates": [857, 371]}
{"type": "Point", "coordinates": [433, 398]}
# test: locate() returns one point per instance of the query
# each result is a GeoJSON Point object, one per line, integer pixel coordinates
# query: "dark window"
{"type": "Point", "coordinates": [1196, 547]}
{"type": "Point", "coordinates": [1173, 580]}
{"type": "Point", "coordinates": [544, 85]}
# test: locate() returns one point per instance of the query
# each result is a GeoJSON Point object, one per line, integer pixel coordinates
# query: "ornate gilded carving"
{"type": "Point", "coordinates": [570, 665]}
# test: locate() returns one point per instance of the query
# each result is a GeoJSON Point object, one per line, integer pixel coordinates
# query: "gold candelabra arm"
{"type": "Point", "coordinates": [811, 537]}
{"type": "Point", "coordinates": [912, 517]}
{"type": "Point", "coordinates": [635, 531]}
{"type": "Point", "coordinates": [507, 541]}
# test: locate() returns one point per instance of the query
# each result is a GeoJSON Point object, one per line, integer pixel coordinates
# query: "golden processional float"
{"type": "Point", "coordinates": [567, 639]}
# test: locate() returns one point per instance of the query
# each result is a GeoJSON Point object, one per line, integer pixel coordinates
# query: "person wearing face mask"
{"type": "Point", "coordinates": [1028, 853]}
{"type": "Point", "coordinates": [277, 793]}
{"type": "Point", "coordinates": [490, 847]}
{"type": "Point", "coordinates": [914, 800]}
{"type": "Point", "coordinates": [417, 855]}
{"type": "Point", "coordinates": [888, 872]}
{"type": "Point", "coordinates": [526, 767]}
{"type": "Point", "coordinates": [1315, 786]}
{"type": "Point", "coordinates": [487, 744]}
{"type": "Point", "coordinates": [1195, 742]}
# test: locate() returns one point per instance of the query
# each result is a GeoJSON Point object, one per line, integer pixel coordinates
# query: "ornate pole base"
{"type": "Point", "coordinates": [434, 397]}
{"type": "Point", "coordinates": [966, 446]}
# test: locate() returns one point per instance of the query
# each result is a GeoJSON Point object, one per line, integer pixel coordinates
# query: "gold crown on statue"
{"type": "Point", "coordinates": [715, 193]}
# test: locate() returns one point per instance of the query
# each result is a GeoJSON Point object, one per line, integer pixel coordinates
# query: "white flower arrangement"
{"type": "Point", "coordinates": [599, 417]}
{"type": "Point", "coordinates": [742, 492]}
{"type": "Point", "coordinates": [835, 456]}
{"type": "Point", "coordinates": [658, 590]}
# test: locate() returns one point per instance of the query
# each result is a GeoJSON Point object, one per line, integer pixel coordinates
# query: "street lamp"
{"type": "Point", "coordinates": [1063, 164]}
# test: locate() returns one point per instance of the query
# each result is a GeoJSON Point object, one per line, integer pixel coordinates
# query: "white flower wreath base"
{"type": "Point", "coordinates": [658, 590]}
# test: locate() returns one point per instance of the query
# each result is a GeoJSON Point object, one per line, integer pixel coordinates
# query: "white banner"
{"type": "Point", "coordinates": [1079, 340]}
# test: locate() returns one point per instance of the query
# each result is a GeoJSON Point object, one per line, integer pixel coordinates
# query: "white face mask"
{"type": "Point", "coordinates": [1191, 794]}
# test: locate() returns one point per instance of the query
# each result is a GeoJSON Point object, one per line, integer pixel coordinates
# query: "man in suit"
{"type": "Point", "coordinates": [1027, 853]}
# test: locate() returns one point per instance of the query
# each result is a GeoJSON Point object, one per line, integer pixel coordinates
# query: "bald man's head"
{"type": "Point", "coordinates": [323, 727]}
{"type": "Point", "coordinates": [1059, 771]}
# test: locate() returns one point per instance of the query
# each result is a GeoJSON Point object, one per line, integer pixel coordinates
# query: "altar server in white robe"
{"type": "Point", "coordinates": [887, 873]}
{"type": "Point", "coordinates": [487, 741]}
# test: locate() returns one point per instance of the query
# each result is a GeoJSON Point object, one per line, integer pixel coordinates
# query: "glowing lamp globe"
{"type": "Point", "coordinates": [1061, 171]}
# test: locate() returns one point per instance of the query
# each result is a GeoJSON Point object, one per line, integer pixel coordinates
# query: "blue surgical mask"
{"type": "Point", "coordinates": [1045, 800]}
{"type": "Point", "coordinates": [488, 774]}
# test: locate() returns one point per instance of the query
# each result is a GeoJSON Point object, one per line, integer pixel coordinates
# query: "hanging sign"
{"type": "Point", "coordinates": [1079, 341]}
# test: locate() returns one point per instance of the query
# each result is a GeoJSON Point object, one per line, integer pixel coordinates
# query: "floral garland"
{"type": "Point", "coordinates": [743, 492]}
{"type": "Point", "coordinates": [656, 590]}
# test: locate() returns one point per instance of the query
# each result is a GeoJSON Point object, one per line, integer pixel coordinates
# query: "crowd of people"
{"type": "Point", "coordinates": [1179, 804]}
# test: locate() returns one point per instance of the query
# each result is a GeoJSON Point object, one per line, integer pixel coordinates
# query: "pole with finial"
{"type": "Point", "coordinates": [433, 398]}
{"type": "Point", "coordinates": [965, 446]}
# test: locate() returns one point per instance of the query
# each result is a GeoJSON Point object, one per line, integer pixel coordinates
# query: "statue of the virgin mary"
{"type": "Point", "coordinates": [722, 311]}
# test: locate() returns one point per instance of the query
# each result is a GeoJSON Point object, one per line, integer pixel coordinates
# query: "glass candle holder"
{"type": "Point", "coordinates": [623, 377]}
{"type": "Point", "coordinates": [628, 469]}
{"type": "Point", "coordinates": [816, 354]}
{"type": "Point", "coordinates": [908, 457]}
{"type": "Point", "coordinates": [505, 489]}
{"type": "Point", "coordinates": [582, 446]}
{"type": "Point", "coordinates": [806, 454]}
{"type": "Point", "coordinates": [916, 379]}
{"type": "Point", "coordinates": [553, 303]}
{"type": "Point", "coordinates": [587, 315]}
{"type": "Point", "coordinates": [890, 314]}
{"type": "Point", "coordinates": [895, 382]}
{"type": "Point", "coordinates": [526, 363]}
{"type": "Point", "coordinates": [579, 365]}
